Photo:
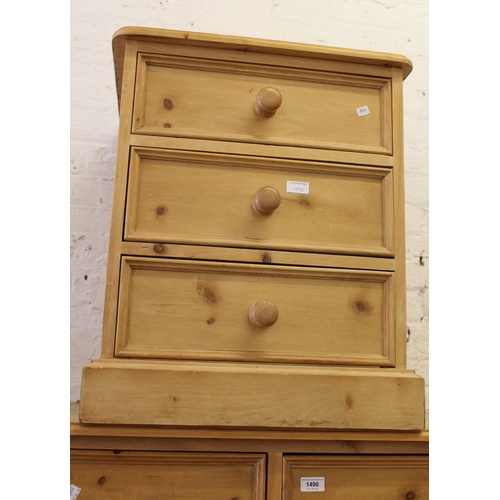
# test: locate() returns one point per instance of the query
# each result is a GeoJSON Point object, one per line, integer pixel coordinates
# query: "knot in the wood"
{"type": "Point", "coordinates": [161, 210]}
{"type": "Point", "coordinates": [266, 258]}
{"type": "Point", "coordinates": [208, 293]}
{"type": "Point", "coordinates": [361, 306]}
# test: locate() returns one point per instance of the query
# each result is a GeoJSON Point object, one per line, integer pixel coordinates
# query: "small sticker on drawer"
{"type": "Point", "coordinates": [74, 492]}
{"type": "Point", "coordinates": [297, 187]}
{"type": "Point", "coordinates": [363, 111]}
{"type": "Point", "coordinates": [312, 484]}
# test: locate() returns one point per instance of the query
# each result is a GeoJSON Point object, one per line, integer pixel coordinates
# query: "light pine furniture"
{"type": "Point", "coordinates": [256, 274]}
{"type": "Point", "coordinates": [111, 462]}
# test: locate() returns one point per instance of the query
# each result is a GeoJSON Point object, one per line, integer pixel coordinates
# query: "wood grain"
{"type": "Point", "coordinates": [181, 309]}
{"type": "Point", "coordinates": [189, 252]}
{"type": "Point", "coordinates": [348, 478]}
{"type": "Point", "coordinates": [253, 47]}
{"type": "Point", "coordinates": [128, 475]}
{"type": "Point", "coordinates": [318, 110]}
{"type": "Point", "coordinates": [189, 393]}
{"type": "Point", "coordinates": [200, 198]}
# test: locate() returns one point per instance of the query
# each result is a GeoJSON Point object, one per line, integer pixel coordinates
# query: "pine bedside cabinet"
{"type": "Point", "coordinates": [254, 336]}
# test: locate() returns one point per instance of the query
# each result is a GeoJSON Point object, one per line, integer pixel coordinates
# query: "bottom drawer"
{"type": "Point", "coordinates": [183, 309]}
{"type": "Point", "coordinates": [356, 477]}
{"type": "Point", "coordinates": [181, 476]}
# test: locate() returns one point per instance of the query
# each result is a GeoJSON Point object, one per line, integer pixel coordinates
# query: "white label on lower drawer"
{"type": "Point", "coordinates": [312, 484]}
{"type": "Point", "coordinates": [363, 111]}
{"type": "Point", "coordinates": [297, 187]}
{"type": "Point", "coordinates": [74, 492]}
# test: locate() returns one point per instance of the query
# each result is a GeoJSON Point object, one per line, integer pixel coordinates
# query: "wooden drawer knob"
{"type": "Point", "coordinates": [263, 314]}
{"type": "Point", "coordinates": [266, 200]}
{"type": "Point", "coordinates": [268, 101]}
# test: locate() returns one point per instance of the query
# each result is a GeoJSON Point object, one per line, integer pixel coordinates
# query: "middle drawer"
{"type": "Point", "coordinates": [256, 202]}
{"type": "Point", "coordinates": [180, 309]}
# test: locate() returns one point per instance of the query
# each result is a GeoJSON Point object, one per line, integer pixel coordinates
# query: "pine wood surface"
{"type": "Point", "coordinates": [207, 199]}
{"type": "Point", "coordinates": [238, 435]}
{"type": "Point", "coordinates": [189, 165]}
{"type": "Point", "coordinates": [181, 476]}
{"type": "Point", "coordinates": [399, 218]}
{"type": "Point", "coordinates": [113, 460]}
{"type": "Point", "coordinates": [262, 150]}
{"type": "Point", "coordinates": [349, 478]}
{"type": "Point", "coordinates": [117, 208]}
{"type": "Point", "coordinates": [252, 46]}
{"type": "Point", "coordinates": [180, 309]}
{"type": "Point", "coordinates": [256, 395]}
{"type": "Point", "coordinates": [248, 440]}
{"type": "Point", "coordinates": [319, 109]}
{"type": "Point", "coordinates": [264, 256]}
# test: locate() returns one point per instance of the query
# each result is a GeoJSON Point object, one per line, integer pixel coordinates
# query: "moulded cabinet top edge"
{"type": "Point", "coordinates": [253, 45]}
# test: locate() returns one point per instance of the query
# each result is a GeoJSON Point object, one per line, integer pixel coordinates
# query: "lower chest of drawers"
{"type": "Point", "coordinates": [186, 476]}
{"type": "Point", "coordinates": [141, 462]}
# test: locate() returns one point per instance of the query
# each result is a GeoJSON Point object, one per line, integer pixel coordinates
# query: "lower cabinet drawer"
{"type": "Point", "coordinates": [105, 475]}
{"type": "Point", "coordinates": [179, 309]}
{"type": "Point", "coordinates": [388, 477]}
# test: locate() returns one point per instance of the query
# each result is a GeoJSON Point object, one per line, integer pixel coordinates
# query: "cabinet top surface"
{"type": "Point", "coordinates": [156, 35]}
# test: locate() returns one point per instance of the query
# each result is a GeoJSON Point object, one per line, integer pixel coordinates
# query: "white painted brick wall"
{"type": "Point", "coordinates": [381, 25]}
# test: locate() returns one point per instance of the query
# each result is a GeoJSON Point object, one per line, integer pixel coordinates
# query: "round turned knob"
{"type": "Point", "coordinates": [268, 101]}
{"type": "Point", "coordinates": [266, 200]}
{"type": "Point", "coordinates": [263, 314]}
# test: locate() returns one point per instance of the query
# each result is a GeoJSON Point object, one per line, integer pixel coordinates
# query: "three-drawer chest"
{"type": "Point", "coordinates": [256, 272]}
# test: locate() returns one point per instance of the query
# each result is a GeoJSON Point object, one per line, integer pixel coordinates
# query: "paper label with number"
{"type": "Point", "coordinates": [74, 492]}
{"type": "Point", "coordinates": [312, 484]}
{"type": "Point", "coordinates": [297, 187]}
{"type": "Point", "coordinates": [363, 111]}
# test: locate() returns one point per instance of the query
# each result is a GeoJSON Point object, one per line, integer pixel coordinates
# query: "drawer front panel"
{"type": "Point", "coordinates": [210, 199]}
{"type": "Point", "coordinates": [103, 475]}
{"type": "Point", "coordinates": [208, 99]}
{"type": "Point", "coordinates": [179, 309]}
{"type": "Point", "coordinates": [347, 478]}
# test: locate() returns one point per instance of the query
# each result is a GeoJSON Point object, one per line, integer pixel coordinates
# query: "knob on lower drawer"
{"type": "Point", "coordinates": [266, 200]}
{"type": "Point", "coordinates": [263, 314]}
{"type": "Point", "coordinates": [267, 102]}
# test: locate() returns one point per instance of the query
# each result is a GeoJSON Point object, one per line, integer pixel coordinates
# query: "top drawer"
{"type": "Point", "coordinates": [225, 100]}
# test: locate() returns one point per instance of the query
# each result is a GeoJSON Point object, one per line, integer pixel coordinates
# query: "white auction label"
{"type": "Point", "coordinates": [312, 484]}
{"type": "Point", "coordinates": [75, 491]}
{"type": "Point", "coordinates": [363, 111]}
{"type": "Point", "coordinates": [297, 187]}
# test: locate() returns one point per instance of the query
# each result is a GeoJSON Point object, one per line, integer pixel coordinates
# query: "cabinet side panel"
{"type": "Point", "coordinates": [399, 221]}
{"type": "Point", "coordinates": [119, 196]}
